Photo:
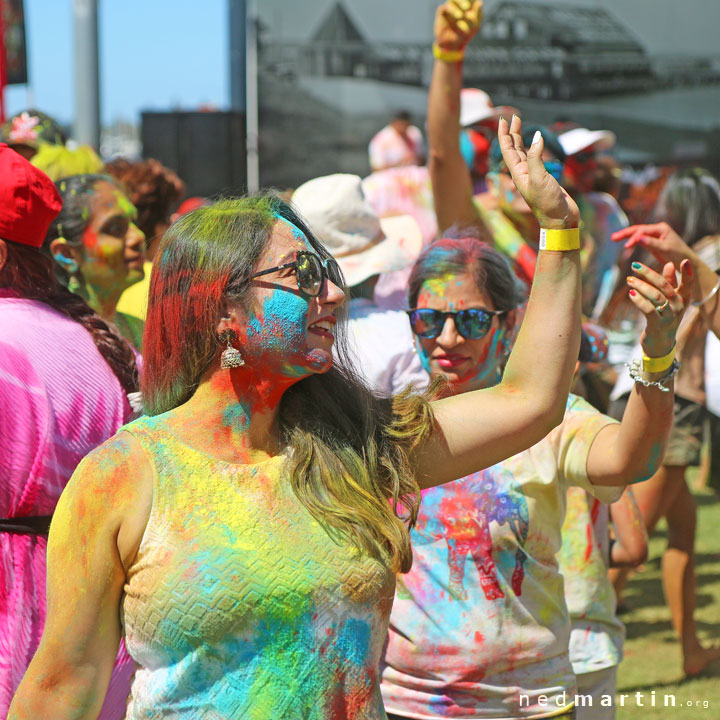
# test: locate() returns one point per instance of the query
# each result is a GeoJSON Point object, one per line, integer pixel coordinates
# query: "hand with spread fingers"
{"type": "Point", "coordinates": [456, 23]}
{"type": "Point", "coordinates": [660, 239]}
{"type": "Point", "coordinates": [551, 204]}
{"type": "Point", "coordinates": [663, 301]}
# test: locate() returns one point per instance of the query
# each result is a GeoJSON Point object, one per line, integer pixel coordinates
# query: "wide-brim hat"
{"type": "Point", "coordinates": [579, 139]}
{"type": "Point", "coordinates": [364, 245]}
{"type": "Point", "coordinates": [476, 106]}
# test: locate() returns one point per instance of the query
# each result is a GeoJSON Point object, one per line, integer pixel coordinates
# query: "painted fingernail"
{"type": "Point", "coordinates": [537, 137]}
{"type": "Point", "coordinates": [630, 279]}
{"type": "Point", "coordinates": [636, 266]}
{"type": "Point", "coordinates": [633, 293]}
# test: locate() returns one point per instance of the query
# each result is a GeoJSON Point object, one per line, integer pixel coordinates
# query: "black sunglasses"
{"type": "Point", "coordinates": [310, 271]}
{"type": "Point", "coordinates": [472, 323]}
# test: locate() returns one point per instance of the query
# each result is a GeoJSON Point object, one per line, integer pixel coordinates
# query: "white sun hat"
{"type": "Point", "coordinates": [476, 106]}
{"type": "Point", "coordinates": [579, 139]}
{"type": "Point", "coordinates": [364, 245]}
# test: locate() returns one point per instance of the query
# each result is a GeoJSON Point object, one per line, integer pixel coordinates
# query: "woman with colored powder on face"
{"type": "Point", "coordinates": [65, 378]}
{"type": "Point", "coordinates": [155, 191]}
{"type": "Point", "coordinates": [240, 536]}
{"type": "Point", "coordinates": [97, 247]}
{"type": "Point", "coordinates": [479, 628]}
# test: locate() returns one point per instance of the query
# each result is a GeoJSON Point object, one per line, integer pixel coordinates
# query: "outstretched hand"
{"type": "Point", "coordinates": [660, 239]}
{"type": "Point", "coordinates": [456, 23]}
{"type": "Point", "coordinates": [663, 302]}
{"type": "Point", "coordinates": [551, 204]}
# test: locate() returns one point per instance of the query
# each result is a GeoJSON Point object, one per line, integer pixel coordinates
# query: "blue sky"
{"type": "Point", "coordinates": [165, 54]}
{"type": "Point", "coordinates": [154, 54]}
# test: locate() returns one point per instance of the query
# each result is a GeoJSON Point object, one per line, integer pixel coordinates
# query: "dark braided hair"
{"type": "Point", "coordinates": [31, 274]}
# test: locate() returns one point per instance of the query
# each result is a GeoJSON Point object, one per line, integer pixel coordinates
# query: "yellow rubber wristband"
{"type": "Point", "coordinates": [449, 56]}
{"type": "Point", "coordinates": [560, 239]}
{"type": "Point", "coordinates": [656, 365]}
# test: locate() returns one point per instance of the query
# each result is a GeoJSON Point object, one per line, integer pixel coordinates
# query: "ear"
{"type": "Point", "coordinates": [68, 257]}
{"type": "Point", "coordinates": [3, 254]}
{"type": "Point", "coordinates": [229, 318]}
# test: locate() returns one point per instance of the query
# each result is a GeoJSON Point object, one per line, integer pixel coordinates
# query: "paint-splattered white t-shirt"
{"type": "Point", "coordinates": [479, 628]}
{"type": "Point", "coordinates": [596, 638]}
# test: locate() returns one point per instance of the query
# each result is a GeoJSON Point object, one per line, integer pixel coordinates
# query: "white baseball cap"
{"type": "Point", "coordinates": [579, 139]}
{"type": "Point", "coordinates": [364, 245]}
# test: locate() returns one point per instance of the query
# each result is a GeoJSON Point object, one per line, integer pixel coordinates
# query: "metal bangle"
{"type": "Point", "coordinates": [634, 369]}
{"type": "Point", "coordinates": [709, 296]}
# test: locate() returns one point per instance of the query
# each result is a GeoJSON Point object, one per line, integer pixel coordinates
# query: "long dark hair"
{"type": "Point", "coordinates": [690, 204]}
{"type": "Point", "coordinates": [31, 274]}
{"type": "Point", "coordinates": [349, 449]}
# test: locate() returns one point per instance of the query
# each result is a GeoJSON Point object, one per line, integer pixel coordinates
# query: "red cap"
{"type": "Point", "coordinates": [29, 201]}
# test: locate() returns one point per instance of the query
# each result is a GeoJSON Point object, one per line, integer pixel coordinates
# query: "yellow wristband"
{"type": "Point", "coordinates": [449, 56]}
{"type": "Point", "coordinates": [560, 239]}
{"type": "Point", "coordinates": [656, 365]}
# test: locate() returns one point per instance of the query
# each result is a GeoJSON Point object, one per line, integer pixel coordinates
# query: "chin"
{"type": "Point", "coordinates": [319, 361]}
{"type": "Point", "coordinates": [134, 276]}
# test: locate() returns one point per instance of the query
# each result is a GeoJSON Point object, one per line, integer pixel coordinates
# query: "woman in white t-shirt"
{"type": "Point", "coordinates": [479, 628]}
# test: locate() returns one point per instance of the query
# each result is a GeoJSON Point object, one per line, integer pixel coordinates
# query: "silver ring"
{"type": "Point", "coordinates": [660, 308]}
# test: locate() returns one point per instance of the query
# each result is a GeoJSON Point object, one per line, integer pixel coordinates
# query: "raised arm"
{"type": "Point", "coordinates": [456, 22]}
{"type": "Point", "coordinates": [667, 246]}
{"type": "Point", "coordinates": [94, 536]}
{"type": "Point", "coordinates": [478, 429]}
{"type": "Point", "coordinates": [633, 450]}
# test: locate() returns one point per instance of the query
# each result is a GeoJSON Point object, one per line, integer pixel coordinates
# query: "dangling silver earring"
{"type": "Point", "coordinates": [231, 357]}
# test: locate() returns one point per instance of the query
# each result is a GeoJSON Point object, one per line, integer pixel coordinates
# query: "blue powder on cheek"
{"type": "Point", "coordinates": [424, 357]}
{"type": "Point", "coordinates": [282, 325]}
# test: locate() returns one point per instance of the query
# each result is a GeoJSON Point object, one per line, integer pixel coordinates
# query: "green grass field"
{"type": "Point", "coordinates": [652, 654]}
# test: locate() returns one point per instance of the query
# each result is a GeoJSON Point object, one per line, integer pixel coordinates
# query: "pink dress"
{"type": "Point", "coordinates": [59, 399]}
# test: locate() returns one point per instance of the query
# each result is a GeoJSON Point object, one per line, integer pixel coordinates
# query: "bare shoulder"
{"type": "Point", "coordinates": [111, 492]}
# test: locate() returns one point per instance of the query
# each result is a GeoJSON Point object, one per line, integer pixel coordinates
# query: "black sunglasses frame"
{"type": "Point", "coordinates": [325, 273]}
{"type": "Point", "coordinates": [445, 315]}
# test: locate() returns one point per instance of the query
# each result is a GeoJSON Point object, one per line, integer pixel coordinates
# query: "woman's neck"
{"type": "Point", "coordinates": [232, 414]}
{"type": "Point", "coordinates": [102, 300]}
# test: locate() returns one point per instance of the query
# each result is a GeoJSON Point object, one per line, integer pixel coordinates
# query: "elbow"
{"type": "Point", "coordinates": [636, 552]}
{"type": "Point", "coordinates": [551, 413]}
{"type": "Point", "coordinates": [639, 555]}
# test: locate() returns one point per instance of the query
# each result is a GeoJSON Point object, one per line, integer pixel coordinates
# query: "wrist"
{"type": "Point", "coordinates": [654, 364]}
{"type": "Point", "coordinates": [656, 347]}
{"type": "Point", "coordinates": [556, 239]}
{"type": "Point", "coordinates": [448, 54]}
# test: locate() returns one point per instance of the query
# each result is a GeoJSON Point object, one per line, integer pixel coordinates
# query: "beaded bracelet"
{"type": "Point", "coordinates": [634, 369]}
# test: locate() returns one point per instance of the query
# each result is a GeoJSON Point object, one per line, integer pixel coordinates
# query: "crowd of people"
{"type": "Point", "coordinates": [378, 447]}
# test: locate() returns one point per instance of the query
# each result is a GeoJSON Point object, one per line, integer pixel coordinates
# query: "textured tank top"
{"type": "Point", "coordinates": [239, 604]}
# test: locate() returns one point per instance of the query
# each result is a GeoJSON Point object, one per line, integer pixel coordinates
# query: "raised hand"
{"type": "Point", "coordinates": [551, 204]}
{"type": "Point", "coordinates": [456, 23]}
{"type": "Point", "coordinates": [660, 239]}
{"type": "Point", "coordinates": [663, 301]}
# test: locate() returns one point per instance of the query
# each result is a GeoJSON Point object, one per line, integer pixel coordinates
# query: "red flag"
{"type": "Point", "coordinates": [3, 62]}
